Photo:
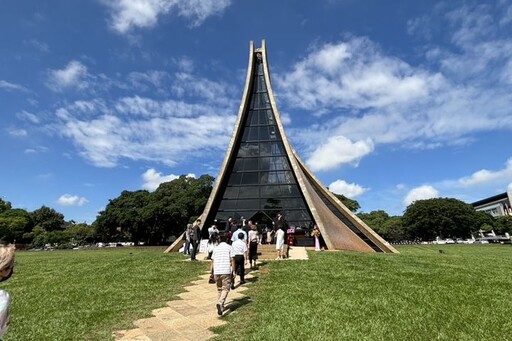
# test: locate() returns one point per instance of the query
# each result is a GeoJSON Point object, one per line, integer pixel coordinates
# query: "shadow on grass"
{"type": "Point", "coordinates": [239, 302]}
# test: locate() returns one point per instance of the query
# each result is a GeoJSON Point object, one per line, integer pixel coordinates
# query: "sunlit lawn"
{"type": "Point", "coordinates": [420, 294]}
{"type": "Point", "coordinates": [85, 295]}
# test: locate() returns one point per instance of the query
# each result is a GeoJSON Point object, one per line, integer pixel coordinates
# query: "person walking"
{"type": "Point", "coordinates": [240, 252]}
{"type": "Point", "coordinates": [253, 241]}
{"type": "Point", "coordinates": [236, 233]}
{"type": "Point", "coordinates": [222, 266]}
{"type": "Point", "coordinates": [195, 237]}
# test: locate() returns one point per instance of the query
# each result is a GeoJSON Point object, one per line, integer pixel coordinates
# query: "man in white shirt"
{"type": "Point", "coordinates": [240, 252]}
{"type": "Point", "coordinates": [236, 233]}
{"type": "Point", "coordinates": [223, 265]}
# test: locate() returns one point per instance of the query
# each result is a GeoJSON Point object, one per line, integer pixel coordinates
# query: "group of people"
{"type": "Point", "coordinates": [230, 252]}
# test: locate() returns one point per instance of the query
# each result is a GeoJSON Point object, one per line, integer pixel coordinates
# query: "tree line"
{"type": "Point", "coordinates": [154, 218]}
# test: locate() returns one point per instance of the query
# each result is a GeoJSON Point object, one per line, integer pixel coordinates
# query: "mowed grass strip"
{"type": "Point", "coordinates": [420, 294]}
{"type": "Point", "coordinates": [85, 295]}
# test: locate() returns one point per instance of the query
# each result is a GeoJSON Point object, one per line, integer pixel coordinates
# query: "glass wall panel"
{"type": "Point", "coordinates": [269, 191]}
{"type": "Point", "coordinates": [264, 163]}
{"type": "Point", "coordinates": [244, 204]}
{"type": "Point", "coordinates": [264, 135]}
{"type": "Point", "coordinates": [294, 203]}
{"type": "Point", "coordinates": [231, 193]}
{"type": "Point", "coordinates": [250, 178]}
{"type": "Point", "coordinates": [271, 204]}
{"type": "Point", "coordinates": [289, 190]}
{"type": "Point", "coordinates": [261, 84]}
{"type": "Point", "coordinates": [265, 149]}
{"type": "Point", "coordinates": [277, 148]}
{"type": "Point", "coordinates": [228, 204]}
{"type": "Point", "coordinates": [250, 164]}
{"type": "Point", "coordinates": [235, 179]}
{"type": "Point", "coordinates": [238, 165]}
{"type": "Point", "coordinates": [269, 117]}
{"type": "Point", "coordinates": [249, 192]}
{"type": "Point", "coordinates": [253, 134]}
{"type": "Point", "coordinates": [254, 118]}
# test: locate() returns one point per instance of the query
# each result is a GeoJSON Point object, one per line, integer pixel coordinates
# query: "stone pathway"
{"type": "Point", "coordinates": [191, 317]}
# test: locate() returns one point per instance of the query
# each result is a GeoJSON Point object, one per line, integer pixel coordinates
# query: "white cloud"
{"type": "Point", "coordinates": [354, 74]}
{"type": "Point", "coordinates": [348, 190]}
{"type": "Point", "coordinates": [286, 119]}
{"type": "Point", "coordinates": [38, 45]}
{"type": "Point", "coordinates": [143, 80]}
{"type": "Point", "coordinates": [485, 176]}
{"type": "Point", "coordinates": [71, 200]}
{"type": "Point", "coordinates": [152, 179]}
{"type": "Point", "coordinates": [17, 132]}
{"type": "Point", "coordinates": [74, 75]}
{"type": "Point", "coordinates": [36, 150]}
{"type": "Point", "coordinates": [129, 14]}
{"type": "Point", "coordinates": [144, 129]}
{"type": "Point", "coordinates": [363, 92]}
{"type": "Point", "coordinates": [420, 193]}
{"type": "Point", "coordinates": [338, 150]}
{"type": "Point", "coordinates": [27, 116]}
{"type": "Point", "coordinates": [11, 86]}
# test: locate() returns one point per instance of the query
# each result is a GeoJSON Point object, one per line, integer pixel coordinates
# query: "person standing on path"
{"type": "Point", "coordinates": [223, 265]}
{"type": "Point", "coordinates": [195, 237]}
{"type": "Point", "coordinates": [253, 240]}
{"type": "Point", "coordinates": [280, 243]}
{"type": "Point", "coordinates": [240, 252]}
{"type": "Point", "coordinates": [188, 232]}
{"type": "Point", "coordinates": [316, 234]}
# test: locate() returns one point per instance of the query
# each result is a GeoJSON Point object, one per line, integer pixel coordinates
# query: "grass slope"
{"type": "Point", "coordinates": [419, 294]}
{"type": "Point", "coordinates": [85, 295]}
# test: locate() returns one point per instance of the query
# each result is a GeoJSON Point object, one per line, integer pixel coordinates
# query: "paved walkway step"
{"type": "Point", "coordinates": [191, 317]}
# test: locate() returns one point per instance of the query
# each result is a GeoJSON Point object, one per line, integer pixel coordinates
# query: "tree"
{"type": "Point", "coordinates": [154, 217]}
{"type": "Point", "coordinates": [375, 219]}
{"type": "Point", "coordinates": [351, 204]}
{"type": "Point", "coordinates": [394, 230]}
{"type": "Point", "coordinates": [389, 228]}
{"type": "Point", "coordinates": [48, 219]}
{"type": "Point", "coordinates": [181, 201]}
{"type": "Point", "coordinates": [503, 225]}
{"type": "Point", "coordinates": [14, 224]}
{"type": "Point", "coordinates": [4, 205]}
{"type": "Point", "coordinates": [440, 217]}
{"type": "Point", "coordinates": [122, 219]}
{"type": "Point", "coordinates": [79, 234]}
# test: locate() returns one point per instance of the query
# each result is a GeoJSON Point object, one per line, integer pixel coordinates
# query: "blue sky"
{"type": "Point", "coordinates": [387, 102]}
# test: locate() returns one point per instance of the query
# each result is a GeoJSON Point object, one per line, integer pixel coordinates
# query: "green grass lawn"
{"type": "Point", "coordinates": [419, 294]}
{"type": "Point", "coordinates": [85, 295]}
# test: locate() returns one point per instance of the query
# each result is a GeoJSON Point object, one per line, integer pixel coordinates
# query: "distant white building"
{"type": "Point", "coordinates": [498, 205]}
